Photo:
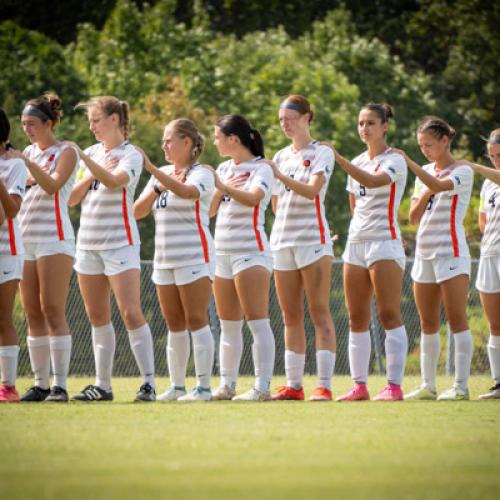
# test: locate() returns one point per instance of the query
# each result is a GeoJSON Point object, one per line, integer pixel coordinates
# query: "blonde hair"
{"type": "Point", "coordinates": [183, 127]}
{"type": "Point", "coordinates": [110, 105]}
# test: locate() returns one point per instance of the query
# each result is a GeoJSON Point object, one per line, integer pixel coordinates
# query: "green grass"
{"type": "Point", "coordinates": [279, 450]}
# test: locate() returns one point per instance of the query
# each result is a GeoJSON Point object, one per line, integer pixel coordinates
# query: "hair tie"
{"type": "Point", "coordinates": [31, 110]}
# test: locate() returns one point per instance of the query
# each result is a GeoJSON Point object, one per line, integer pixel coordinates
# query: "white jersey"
{"type": "Point", "coordinates": [107, 221]}
{"type": "Point", "coordinates": [375, 216]}
{"type": "Point", "coordinates": [13, 174]}
{"type": "Point", "coordinates": [299, 221]}
{"type": "Point", "coordinates": [489, 204]}
{"type": "Point", "coordinates": [441, 231]}
{"type": "Point", "coordinates": [182, 234]}
{"type": "Point", "coordinates": [239, 229]}
{"type": "Point", "coordinates": [44, 217]}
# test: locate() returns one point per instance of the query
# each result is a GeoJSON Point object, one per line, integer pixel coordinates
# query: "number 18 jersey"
{"type": "Point", "coordinates": [490, 205]}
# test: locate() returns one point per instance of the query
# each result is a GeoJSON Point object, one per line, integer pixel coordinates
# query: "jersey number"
{"type": "Point", "coordinates": [95, 185]}
{"type": "Point", "coordinates": [362, 190]}
{"type": "Point", "coordinates": [492, 200]}
{"type": "Point", "coordinates": [291, 177]}
{"type": "Point", "coordinates": [161, 201]}
{"type": "Point", "coordinates": [430, 203]}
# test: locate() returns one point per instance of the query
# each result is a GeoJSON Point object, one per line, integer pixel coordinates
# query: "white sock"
{"type": "Point", "coordinates": [396, 350]}
{"type": "Point", "coordinates": [203, 350]}
{"type": "Point", "coordinates": [141, 342]}
{"type": "Point", "coordinates": [430, 348]}
{"type": "Point", "coordinates": [104, 344]}
{"type": "Point", "coordinates": [8, 364]}
{"type": "Point", "coordinates": [325, 364]}
{"type": "Point", "coordinates": [60, 354]}
{"type": "Point", "coordinates": [494, 355]}
{"type": "Point", "coordinates": [263, 350]}
{"type": "Point", "coordinates": [39, 350]}
{"type": "Point", "coordinates": [360, 348]}
{"type": "Point", "coordinates": [294, 369]}
{"type": "Point", "coordinates": [178, 351]}
{"type": "Point", "coordinates": [230, 350]}
{"type": "Point", "coordinates": [463, 358]}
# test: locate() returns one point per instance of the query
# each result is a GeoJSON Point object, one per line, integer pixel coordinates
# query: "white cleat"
{"type": "Point", "coordinates": [197, 394]}
{"type": "Point", "coordinates": [223, 393]}
{"type": "Point", "coordinates": [493, 394]}
{"type": "Point", "coordinates": [253, 395]}
{"type": "Point", "coordinates": [454, 394]}
{"type": "Point", "coordinates": [422, 393]}
{"type": "Point", "coordinates": [171, 394]}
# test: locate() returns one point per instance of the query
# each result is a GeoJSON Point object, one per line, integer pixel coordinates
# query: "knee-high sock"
{"type": "Point", "coordinates": [141, 342]}
{"type": "Point", "coordinates": [360, 347]}
{"type": "Point", "coordinates": [178, 350]}
{"type": "Point", "coordinates": [494, 355]}
{"type": "Point", "coordinates": [60, 354]}
{"type": "Point", "coordinates": [8, 364]}
{"type": "Point", "coordinates": [294, 368]}
{"type": "Point", "coordinates": [325, 364]}
{"type": "Point", "coordinates": [203, 350]}
{"type": "Point", "coordinates": [429, 356]}
{"type": "Point", "coordinates": [230, 350]}
{"type": "Point", "coordinates": [104, 344]}
{"type": "Point", "coordinates": [39, 350]}
{"type": "Point", "coordinates": [396, 350]}
{"type": "Point", "coordinates": [463, 358]}
{"type": "Point", "coordinates": [263, 350]}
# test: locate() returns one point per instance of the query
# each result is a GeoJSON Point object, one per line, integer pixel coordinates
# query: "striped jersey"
{"type": "Point", "coordinates": [299, 221]}
{"type": "Point", "coordinates": [239, 229]}
{"type": "Point", "coordinates": [182, 234]}
{"type": "Point", "coordinates": [375, 216]}
{"type": "Point", "coordinates": [441, 231]}
{"type": "Point", "coordinates": [107, 221]}
{"type": "Point", "coordinates": [13, 174]}
{"type": "Point", "coordinates": [44, 217]}
{"type": "Point", "coordinates": [490, 205]}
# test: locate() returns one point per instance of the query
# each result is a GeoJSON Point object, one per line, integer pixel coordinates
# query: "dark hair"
{"type": "Point", "coordinates": [384, 111]}
{"type": "Point", "coordinates": [4, 127]}
{"type": "Point", "coordinates": [50, 106]}
{"type": "Point", "coordinates": [239, 126]}
{"type": "Point", "coordinates": [300, 104]}
{"type": "Point", "coordinates": [436, 127]}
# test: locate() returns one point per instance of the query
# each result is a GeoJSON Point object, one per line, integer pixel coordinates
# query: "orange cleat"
{"type": "Point", "coordinates": [321, 394]}
{"type": "Point", "coordinates": [288, 393]}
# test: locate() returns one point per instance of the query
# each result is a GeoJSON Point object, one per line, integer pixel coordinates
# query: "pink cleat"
{"type": "Point", "coordinates": [390, 393]}
{"type": "Point", "coordinates": [358, 393]}
{"type": "Point", "coordinates": [8, 394]}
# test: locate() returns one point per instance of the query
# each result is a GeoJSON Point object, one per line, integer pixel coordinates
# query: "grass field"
{"type": "Point", "coordinates": [278, 450]}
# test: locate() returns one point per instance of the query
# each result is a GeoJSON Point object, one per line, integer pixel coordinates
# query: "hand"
{"type": "Point", "coordinates": [238, 181]}
{"type": "Point", "coordinates": [400, 152]}
{"type": "Point", "coordinates": [328, 145]}
{"type": "Point", "coordinates": [276, 170]}
{"type": "Point", "coordinates": [110, 163]}
{"type": "Point", "coordinates": [148, 166]}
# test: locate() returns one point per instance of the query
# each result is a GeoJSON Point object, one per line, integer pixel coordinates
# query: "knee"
{"type": "Point", "coordinates": [359, 321]}
{"type": "Point", "coordinates": [53, 314]}
{"type": "Point", "coordinates": [390, 318]}
{"type": "Point", "coordinates": [292, 317]}
{"type": "Point", "coordinates": [195, 321]}
{"type": "Point", "coordinates": [321, 318]}
{"type": "Point", "coordinates": [132, 317]}
{"type": "Point", "coordinates": [429, 326]}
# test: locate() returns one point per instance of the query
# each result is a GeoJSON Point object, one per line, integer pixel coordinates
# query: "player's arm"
{"type": "Point", "coordinates": [483, 217]}
{"type": "Point", "coordinates": [10, 204]}
{"type": "Point", "coordinates": [352, 202]}
{"type": "Point", "coordinates": [366, 179]}
{"type": "Point", "coordinates": [418, 206]}
{"type": "Point", "coordinates": [144, 204]}
{"type": "Point", "coordinates": [490, 173]}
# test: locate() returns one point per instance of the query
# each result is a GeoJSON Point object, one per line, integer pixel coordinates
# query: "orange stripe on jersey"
{"type": "Point", "coordinates": [453, 228]}
{"type": "Point", "coordinates": [255, 228]}
{"type": "Point", "coordinates": [12, 237]}
{"type": "Point", "coordinates": [203, 238]}
{"type": "Point", "coordinates": [60, 231]}
{"type": "Point", "coordinates": [391, 211]}
{"type": "Point", "coordinates": [125, 216]}
{"type": "Point", "coordinates": [320, 220]}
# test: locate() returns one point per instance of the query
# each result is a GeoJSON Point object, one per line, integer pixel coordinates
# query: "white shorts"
{"type": "Point", "coordinates": [366, 253]}
{"type": "Point", "coordinates": [297, 257]}
{"type": "Point", "coordinates": [11, 268]}
{"type": "Point", "coordinates": [488, 274]}
{"type": "Point", "coordinates": [34, 251]}
{"type": "Point", "coordinates": [108, 262]}
{"type": "Point", "coordinates": [439, 270]}
{"type": "Point", "coordinates": [184, 275]}
{"type": "Point", "coordinates": [228, 266]}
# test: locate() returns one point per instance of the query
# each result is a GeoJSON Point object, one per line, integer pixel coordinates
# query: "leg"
{"type": "Point", "coordinates": [491, 306]}
{"type": "Point", "coordinates": [9, 348]}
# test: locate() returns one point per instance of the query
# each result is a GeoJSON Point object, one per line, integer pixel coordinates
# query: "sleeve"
{"type": "Point", "coordinates": [482, 198]}
{"type": "Point", "coordinates": [222, 171]}
{"type": "Point", "coordinates": [394, 167]}
{"type": "Point", "coordinates": [462, 178]}
{"type": "Point", "coordinates": [323, 163]}
{"type": "Point", "coordinates": [16, 182]}
{"type": "Point", "coordinates": [82, 167]}
{"type": "Point", "coordinates": [131, 163]}
{"type": "Point", "coordinates": [349, 184]}
{"type": "Point", "coordinates": [203, 180]}
{"type": "Point", "coordinates": [277, 183]}
{"type": "Point", "coordinates": [264, 179]}
{"type": "Point", "coordinates": [418, 189]}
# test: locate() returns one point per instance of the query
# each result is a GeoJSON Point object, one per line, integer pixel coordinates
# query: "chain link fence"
{"type": "Point", "coordinates": [82, 360]}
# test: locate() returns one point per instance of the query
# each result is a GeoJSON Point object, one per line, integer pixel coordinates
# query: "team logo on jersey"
{"type": "Point", "coordinates": [392, 170]}
{"type": "Point", "coordinates": [459, 182]}
{"type": "Point", "coordinates": [327, 169]}
{"type": "Point", "coordinates": [51, 157]}
{"type": "Point", "coordinates": [132, 171]}
{"type": "Point", "coordinates": [307, 163]}
{"type": "Point", "coordinates": [202, 187]}
{"type": "Point", "coordinates": [20, 189]}
{"type": "Point", "coordinates": [262, 183]}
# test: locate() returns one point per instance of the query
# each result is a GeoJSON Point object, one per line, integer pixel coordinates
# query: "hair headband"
{"type": "Point", "coordinates": [34, 111]}
{"type": "Point", "coordinates": [494, 139]}
{"type": "Point", "coordinates": [293, 106]}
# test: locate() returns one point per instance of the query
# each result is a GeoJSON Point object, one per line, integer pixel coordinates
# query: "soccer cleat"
{"type": "Point", "coordinates": [321, 394]}
{"type": "Point", "coordinates": [146, 393]}
{"type": "Point", "coordinates": [287, 393]}
{"type": "Point", "coordinates": [358, 393]}
{"type": "Point", "coordinates": [223, 393]}
{"type": "Point", "coordinates": [93, 393]}
{"type": "Point", "coordinates": [253, 395]}
{"type": "Point", "coordinates": [390, 393]}
{"type": "Point", "coordinates": [454, 394]}
{"type": "Point", "coordinates": [493, 394]}
{"type": "Point", "coordinates": [35, 394]}
{"type": "Point", "coordinates": [422, 393]}
{"type": "Point", "coordinates": [171, 394]}
{"type": "Point", "coordinates": [57, 395]}
{"type": "Point", "coordinates": [8, 394]}
{"type": "Point", "coordinates": [197, 394]}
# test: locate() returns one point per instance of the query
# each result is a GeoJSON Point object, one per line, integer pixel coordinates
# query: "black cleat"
{"type": "Point", "coordinates": [35, 394]}
{"type": "Point", "coordinates": [57, 395]}
{"type": "Point", "coordinates": [146, 393]}
{"type": "Point", "coordinates": [93, 393]}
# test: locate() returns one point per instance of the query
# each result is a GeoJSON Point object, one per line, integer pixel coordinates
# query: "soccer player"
{"type": "Point", "coordinates": [49, 242]}
{"type": "Point", "coordinates": [244, 263]}
{"type": "Point", "coordinates": [184, 261]}
{"type": "Point", "coordinates": [488, 275]}
{"type": "Point", "coordinates": [107, 256]}
{"type": "Point", "coordinates": [302, 248]}
{"type": "Point", "coordinates": [442, 263]}
{"type": "Point", "coordinates": [374, 259]}
{"type": "Point", "coordinates": [13, 178]}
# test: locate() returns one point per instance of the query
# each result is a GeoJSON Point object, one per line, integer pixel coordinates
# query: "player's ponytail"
{"type": "Point", "coordinates": [46, 107]}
